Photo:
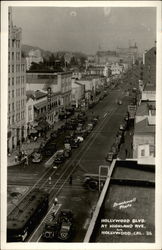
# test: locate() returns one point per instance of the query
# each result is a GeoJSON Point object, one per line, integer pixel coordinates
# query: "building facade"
{"type": "Point", "coordinates": [16, 87]}
{"type": "Point", "coordinates": [65, 81]}
{"type": "Point", "coordinates": [78, 93]}
{"type": "Point", "coordinates": [149, 76]}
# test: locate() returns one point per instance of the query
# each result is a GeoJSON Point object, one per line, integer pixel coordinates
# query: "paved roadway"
{"type": "Point", "coordinates": [89, 156]}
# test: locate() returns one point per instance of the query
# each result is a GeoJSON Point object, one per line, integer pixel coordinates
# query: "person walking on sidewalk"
{"type": "Point", "coordinates": [26, 159]}
{"type": "Point", "coordinates": [71, 180]}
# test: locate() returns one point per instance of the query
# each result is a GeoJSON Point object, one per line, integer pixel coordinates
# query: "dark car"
{"type": "Point", "coordinates": [66, 225]}
{"type": "Point", "coordinates": [54, 135]}
{"type": "Point", "coordinates": [74, 143]}
{"type": "Point", "coordinates": [59, 157]}
{"type": "Point", "coordinates": [49, 148]}
{"type": "Point", "coordinates": [61, 228]}
{"type": "Point", "coordinates": [37, 156]}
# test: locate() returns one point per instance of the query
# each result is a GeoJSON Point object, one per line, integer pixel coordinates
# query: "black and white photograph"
{"type": "Point", "coordinates": [81, 124]}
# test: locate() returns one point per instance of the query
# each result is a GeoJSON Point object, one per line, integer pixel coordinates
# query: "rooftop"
{"type": "Point", "coordinates": [143, 127]}
{"type": "Point", "coordinates": [144, 107]}
{"type": "Point", "coordinates": [35, 95]}
{"type": "Point", "coordinates": [125, 205]}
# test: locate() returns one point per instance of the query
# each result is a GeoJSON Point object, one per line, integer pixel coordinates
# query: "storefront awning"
{"type": "Point", "coordinates": [40, 105]}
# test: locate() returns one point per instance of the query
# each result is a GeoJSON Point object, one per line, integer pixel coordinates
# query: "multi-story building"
{"type": "Point", "coordinates": [128, 55]}
{"type": "Point", "coordinates": [116, 69]}
{"type": "Point", "coordinates": [41, 105]}
{"type": "Point", "coordinates": [59, 84]}
{"type": "Point", "coordinates": [78, 93]}
{"type": "Point", "coordinates": [16, 87]}
{"type": "Point", "coordinates": [103, 57]}
{"type": "Point", "coordinates": [149, 74]}
{"type": "Point", "coordinates": [65, 81]}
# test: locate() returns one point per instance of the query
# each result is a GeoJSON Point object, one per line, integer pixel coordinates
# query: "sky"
{"type": "Point", "coordinates": [86, 29]}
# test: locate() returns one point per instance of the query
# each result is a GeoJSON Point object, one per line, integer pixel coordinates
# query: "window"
{"type": "Point", "coordinates": [9, 121]}
{"type": "Point", "coordinates": [9, 107]}
{"type": "Point", "coordinates": [12, 55]}
{"type": "Point", "coordinates": [12, 81]}
{"type": "Point", "coordinates": [12, 93]}
{"type": "Point", "coordinates": [9, 43]}
{"type": "Point", "coordinates": [8, 68]}
{"type": "Point", "coordinates": [13, 118]}
{"type": "Point", "coordinates": [8, 55]}
{"type": "Point", "coordinates": [8, 94]}
{"type": "Point", "coordinates": [142, 152]}
{"type": "Point", "coordinates": [9, 81]}
{"type": "Point", "coordinates": [12, 68]}
{"type": "Point", "coordinates": [13, 43]}
{"type": "Point", "coordinates": [13, 107]}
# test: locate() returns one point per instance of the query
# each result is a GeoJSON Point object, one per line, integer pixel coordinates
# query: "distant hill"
{"type": "Point", "coordinates": [26, 48]}
{"type": "Point", "coordinates": [46, 54]}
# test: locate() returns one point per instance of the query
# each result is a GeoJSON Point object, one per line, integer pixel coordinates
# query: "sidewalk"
{"type": "Point", "coordinates": [29, 147]}
{"type": "Point", "coordinates": [126, 151]}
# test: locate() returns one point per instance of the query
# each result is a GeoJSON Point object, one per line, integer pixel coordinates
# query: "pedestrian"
{"type": "Point", "coordinates": [70, 180]}
{"type": "Point", "coordinates": [50, 179]}
{"type": "Point", "coordinates": [55, 201]}
{"type": "Point", "coordinates": [26, 160]}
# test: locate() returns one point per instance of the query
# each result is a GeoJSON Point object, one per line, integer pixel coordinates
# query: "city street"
{"type": "Point", "coordinates": [86, 159]}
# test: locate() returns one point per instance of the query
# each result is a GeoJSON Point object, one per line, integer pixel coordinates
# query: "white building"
{"type": "Point", "coordinates": [16, 87]}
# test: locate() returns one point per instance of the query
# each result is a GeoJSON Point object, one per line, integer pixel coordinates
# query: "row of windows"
{"type": "Point", "coordinates": [14, 43]}
{"type": "Point", "coordinates": [12, 68]}
{"type": "Point", "coordinates": [16, 118]}
{"type": "Point", "coordinates": [11, 55]}
{"type": "Point", "coordinates": [20, 91]}
{"type": "Point", "coordinates": [17, 105]}
{"type": "Point", "coordinates": [11, 80]}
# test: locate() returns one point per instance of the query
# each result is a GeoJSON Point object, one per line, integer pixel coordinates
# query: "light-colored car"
{"type": "Point", "coordinates": [80, 138]}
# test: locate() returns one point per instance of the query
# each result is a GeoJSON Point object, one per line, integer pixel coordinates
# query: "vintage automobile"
{"type": "Point", "coordinates": [49, 148]}
{"type": "Point", "coordinates": [61, 228]}
{"type": "Point", "coordinates": [37, 156]}
{"type": "Point", "coordinates": [89, 127]}
{"type": "Point", "coordinates": [119, 102]}
{"type": "Point", "coordinates": [59, 157]}
{"type": "Point", "coordinates": [74, 143]}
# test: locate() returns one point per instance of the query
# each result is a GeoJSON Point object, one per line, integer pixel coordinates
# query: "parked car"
{"type": "Point", "coordinates": [89, 127]}
{"type": "Point", "coordinates": [54, 135]}
{"type": "Point", "coordinates": [49, 148]}
{"type": "Point", "coordinates": [110, 156]}
{"type": "Point", "coordinates": [37, 156]}
{"type": "Point", "coordinates": [119, 102]}
{"type": "Point", "coordinates": [74, 143]}
{"type": "Point", "coordinates": [59, 157]}
{"type": "Point", "coordinates": [123, 126]}
{"type": "Point", "coordinates": [80, 138]}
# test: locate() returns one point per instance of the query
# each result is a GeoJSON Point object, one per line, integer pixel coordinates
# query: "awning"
{"type": "Point", "coordinates": [40, 105]}
{"type": "Point", "coordinates": [33, 131]}
{"type": "Point", "coordinates": [43, 124]}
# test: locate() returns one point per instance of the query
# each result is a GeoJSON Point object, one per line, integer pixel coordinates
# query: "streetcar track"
{"type": "Point", "coordinates": [79, 153]}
